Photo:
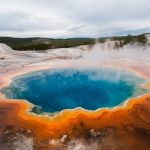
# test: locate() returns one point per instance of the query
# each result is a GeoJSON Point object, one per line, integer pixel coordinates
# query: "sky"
{"type": "Point", "coordinates": [73, 18]}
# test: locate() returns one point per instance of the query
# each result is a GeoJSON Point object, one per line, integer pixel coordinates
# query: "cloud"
{"type": "Point", "coordinates": [72, 18]}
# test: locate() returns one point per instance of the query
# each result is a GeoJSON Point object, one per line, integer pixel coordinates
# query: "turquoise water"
{"type": "Point", "coordinates": [56, 90]}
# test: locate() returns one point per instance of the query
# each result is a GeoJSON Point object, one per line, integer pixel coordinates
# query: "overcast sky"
{"type": "Point", "coordinates": [73, 18]}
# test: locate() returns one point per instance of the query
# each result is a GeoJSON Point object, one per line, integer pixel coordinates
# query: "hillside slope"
{"type": "Point", "coordinates": [38, 43]}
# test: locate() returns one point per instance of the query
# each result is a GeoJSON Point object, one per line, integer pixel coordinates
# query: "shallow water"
{"type": "Point", "coordinates": [56, 90]}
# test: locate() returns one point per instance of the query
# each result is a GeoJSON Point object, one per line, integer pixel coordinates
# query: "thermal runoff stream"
{"type": "Point", "coordinates": [59, 89]}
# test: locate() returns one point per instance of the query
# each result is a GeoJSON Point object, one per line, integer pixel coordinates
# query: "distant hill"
{"type": "Point", "coordinates": [38, 43]}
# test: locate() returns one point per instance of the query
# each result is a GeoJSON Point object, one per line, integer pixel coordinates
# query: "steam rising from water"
{"type": "Point", "coordinates": [106, 52]}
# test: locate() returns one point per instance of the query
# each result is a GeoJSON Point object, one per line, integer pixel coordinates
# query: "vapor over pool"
{"type": "Point", "coordinates": [59, 89]}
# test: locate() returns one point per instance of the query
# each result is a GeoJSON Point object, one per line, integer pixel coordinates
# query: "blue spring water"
{"type": "Point", "coordinates": [56, 90]}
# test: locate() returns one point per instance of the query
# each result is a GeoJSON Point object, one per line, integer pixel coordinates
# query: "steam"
{"type": "Point", "coordinates": [106, 51]}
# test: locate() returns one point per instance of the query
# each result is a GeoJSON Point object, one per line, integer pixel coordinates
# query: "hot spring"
{"type": "Point", "coordinates": [56, 90]}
